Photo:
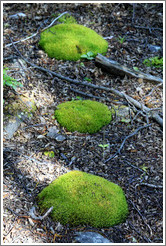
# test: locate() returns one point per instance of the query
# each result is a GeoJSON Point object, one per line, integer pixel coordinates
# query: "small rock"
{"type": "Point", "coordinates": [17, 16]}
{"type": "Point", "coordinates": [38, 18]}
{"type": "Point", "coordinates": [52, 132]}
{"type": "Point", "coordinates": [12, 126]}
{"type": "Point", "coordinates": [20, 65]}
{"type": "Point", "coordinates": [91, 237]}
{"type": "Point", "coordinates": [60, 138]}
{"type": "Point", "coordinates": [121, 112]}
{"type": "Point", "coordinates": [154, 48]}
{"type": "Point", "coordinates": [86, 169]}
{"type": "Point", "coordinates": [40, 53]}
{"type": "Point", "coordinates": [40, 137]}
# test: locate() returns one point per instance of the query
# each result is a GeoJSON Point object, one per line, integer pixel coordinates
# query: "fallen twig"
{"type": "Point", "coordinates": [150, 185]}
{"type": "Point", "coordinates": [138, 232]}
{"type": "Point", "coordinates": [18, 215]}
{"type": "Point", "coordinates": [150, 230]}
{"type": "Point", "coordinates": [9, 58]}
{"type": "Point", "coordinates": [113, 11]}
{"type": "Point", "coordinates": [121, 147]}
{"type": "Point", "coordinates": [115, 68]}
{"type": "Point", "coordinates": [12, 226]}
{"type": "Point", "coordinates": [37, 125]}
{"type": "Point", "coordinates": [89, 95]}
{"type": "Point", "coordinates": [128, 163]}
{"type": "Point", "coordinates": [38, 31]}
{"type": "Point", "coordinates": [32, 213]}
{"type": "Point", "coordinates": [152, 90]}
{"type": "Point", "coordinates": [148, 28]}
{"type": "Point", "coordinates": [72, 160]}
{"type": "Point", "coordinates": [139, 105]}
{"type": "Point", "coordinates": [54, 21]}
{"type": "Point", "coordinates": [134, 7]}
{"type": "Point", "coordinates": [108, 37]}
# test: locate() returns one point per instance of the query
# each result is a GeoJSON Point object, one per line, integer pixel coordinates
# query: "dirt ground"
{"type": "Point", "coordinates": [138, 169]}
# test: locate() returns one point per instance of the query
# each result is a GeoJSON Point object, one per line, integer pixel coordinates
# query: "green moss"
{"type": "Point", "coordinates": [67, 19]}
{"type": "Point", "coordinates": [83, 115]}
{"type": "Point", "coordinates": [23, 104]}
{"type": "Point", "coordinates": [154, 62]}
{"type": "Point", "coordinates": [80, 198]}
{"type": "Point", "coordinates": [9, 81]}
{"type": "Point", "coordinates": [70, 41]}
{"type": "Point", "coordinates": [50, 154]}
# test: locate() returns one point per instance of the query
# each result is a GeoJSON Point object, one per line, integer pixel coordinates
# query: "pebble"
{"type": "Point", "coordinates": [17, 16]}
{"type": "Point", "coordinates": [154, 48]}
{"type": "Point", "coordinates": [12, 126]}
{"type": "Point", "coordinates": [38, 17]}
{"type": "Point", "coordinates": [60, 138]}
{"type": "Point", "coordinates": [40, 137]}
{"type": "Point", "coordinates": [52, 132]}
{"type": "Point", "coordinates": [91, 237]}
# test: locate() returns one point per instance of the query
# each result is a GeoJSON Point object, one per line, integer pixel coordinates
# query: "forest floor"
{"type": "Point", "coordinates": [27, 170]}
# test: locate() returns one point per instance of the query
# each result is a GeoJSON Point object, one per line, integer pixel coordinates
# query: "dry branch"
{"type": "Point", "coordinates": [143, 218]}
{"type": "Point", "coordinates": [38, 31]}
{"type": "Point", "coordinates": [129, 136]}
{"type": "Point", "coordinates": [150, 185]}
{"type": "Point", "coordinates": [115, 68]}
{"type": "Point", "coordinates": [137, 104]}
{"type": "Point", "coordinates": [89, 95]}
{"type": "Point", "coordinates": [32, 213]}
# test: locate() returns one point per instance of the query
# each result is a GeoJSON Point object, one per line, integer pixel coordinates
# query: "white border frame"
{"type": "Point", "coordinates": [2, 2]}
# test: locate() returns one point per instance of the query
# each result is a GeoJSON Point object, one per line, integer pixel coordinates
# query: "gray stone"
{"type": "Point", "coordinates": [38, 17]}
{"type": "Point", "coordinates": [21, 65]}
{"type": "Point", "coordinates": [60, 138]}
{"type": "Point", "coordinates": [154, 48]}
{"type": "Point", "coordinates": [17, 16]}
{"type": "Point", "coordinates": [12, 126]}
{"type": "Point", "coordinates": [122, 113]}
{"type": "Point", "coordinates": [90, 237]}
{"type": "Point", "coordinates": [52, 132]}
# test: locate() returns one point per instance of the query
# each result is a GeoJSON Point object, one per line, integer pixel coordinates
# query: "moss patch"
{"type": "Point", "coordinates": [70, 41]}
{"type": "Point", "coordinates": [80, 198]}
{"type": "Point", "coordinates": [67, 19]}
{"type": "Point", "coordinates": [24, 104]}
{"type": "Point", "coordinates": [154, 62]}
{"type": "Point", "coordinates": [84, 116]}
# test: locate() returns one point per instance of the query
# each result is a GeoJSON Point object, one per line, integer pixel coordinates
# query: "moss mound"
{"type": "Point", "coordinates": [80, 198]}
{"type": "Point", "coordinates": [84, 116]}
{"type": "Point", "coordinates": [70, 41]}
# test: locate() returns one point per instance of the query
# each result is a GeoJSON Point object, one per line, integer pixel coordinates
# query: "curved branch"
{"type": "Point", "coordinates": [129, 136]}
{"type": "Point", "coordinates": [35, 34]}
{"type": "Point", "coordinates": [32, 214]}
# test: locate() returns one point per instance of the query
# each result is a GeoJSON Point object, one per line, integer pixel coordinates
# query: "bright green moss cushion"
{"type": "Point", "coordinates": [70, 41]}
{"type": "Point", "coordinates": [84, 116]}
{"type": "Point", "coordinates": [80, 198]}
